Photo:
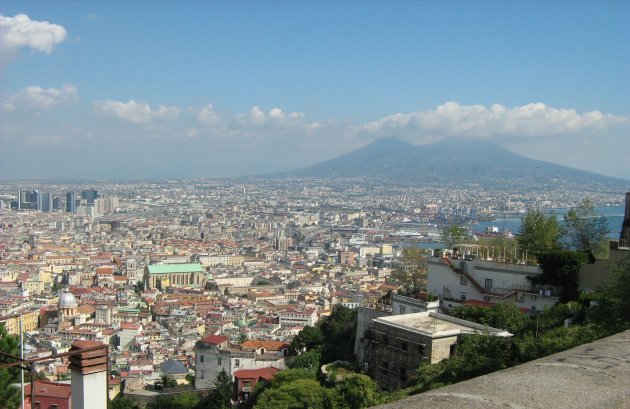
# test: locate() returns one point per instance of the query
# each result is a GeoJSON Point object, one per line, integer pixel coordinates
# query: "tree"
{"type": "Point", "coordinates": [9, 395]}
{"type": "Point", "coordinates": [167, 380]}
{"type": "Point", "coordinates": [539, 233]}
{"type": "Point", "coordinates": [356, 392]}
{"type": "Point", "coordinates": [612, 306]}
{"type": "Point", "coordinates": [414, 272]}
{"type": "Point", "coordinates": [453, 234]}
{"type": "Point", "coordinates": [309, 337]}
{"type": "Point", "coordinates": [190, 378]}
{"type": "Point", "coordinates": [298, 394]}
{"type": "Point", "coordinates": [475, 355]}
{"type": "Point", "coordinates": [221, 396]}
{"type": "Point", "coordinates": [309, 360]}
{"type": "Point", "coordinates": [586, 231]}
{"type": "Point", "coordinates": [187, 400]}
{"type": "Point", "coordinates": [123, 403]}
{"type": "Point", "coordinates": [561, 269]}
{"type": "Point", "coordinates": [242, 337]}
{"type": "Point", "coordinates": [339, 333]}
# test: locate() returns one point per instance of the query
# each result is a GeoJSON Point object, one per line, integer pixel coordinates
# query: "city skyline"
{"type": "Point", "coordinates": [89, 90]}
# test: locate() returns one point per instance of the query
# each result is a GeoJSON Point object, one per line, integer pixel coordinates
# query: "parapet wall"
{"type": "Point", "coordinates": [595, 375]}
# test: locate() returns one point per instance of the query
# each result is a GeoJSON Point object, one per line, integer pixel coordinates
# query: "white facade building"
{"type": "Point", "coordinates": [481, 282]}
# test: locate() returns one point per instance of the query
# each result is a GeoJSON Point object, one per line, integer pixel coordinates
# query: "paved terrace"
{"type": "Point", "coordinates": [595, 375]}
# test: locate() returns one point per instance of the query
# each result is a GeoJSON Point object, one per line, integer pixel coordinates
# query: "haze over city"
{"type": "Point", "coordinates": [212, 89]}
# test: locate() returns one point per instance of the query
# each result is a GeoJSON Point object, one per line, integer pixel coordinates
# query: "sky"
{"type": "Point", "coordinates": [170, 89]}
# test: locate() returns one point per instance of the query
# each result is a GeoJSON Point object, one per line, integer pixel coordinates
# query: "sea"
{"type": "Point", "coordinates": [614, 215]}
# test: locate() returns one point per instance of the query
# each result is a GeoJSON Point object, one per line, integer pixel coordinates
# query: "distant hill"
{"type": "Point", "coordinates": [448, 160]}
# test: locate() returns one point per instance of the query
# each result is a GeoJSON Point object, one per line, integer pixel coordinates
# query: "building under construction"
{"type": "Point", "coordinates": [393, 347]}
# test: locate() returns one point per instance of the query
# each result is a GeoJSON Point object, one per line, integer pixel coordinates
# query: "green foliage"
{"type": "Point", "coordinates": [453, 234]}
{"type": "Point", "coordinates": [309, 360]}
{"type": "Point", "coordinates": [505, 316]}
{"type": "Point", "coordinates": [339, 331]}
{"type": "Point", "coordinates": [168, 381]}
{"type": "Point", "coordinates": [413, 273]}
{"type": "Point", "coordinates": [221, 397]}
{"type": "Point", "coordinates": [556, 340]}
{"type": "Point", "coordinates": [290, 375]}
{"type": "Point", "coordinates": [9, 395]}
{"type": "Point", "coordinates": [586, 230]}
{"type": "Point", "coordinates": [475, 355]}
{"type": "Point", "coordinates": [188, 400]}
{"type": "Point", "coordinates": [274, 399]}
{"type": "Point", "coordinates": [242, 337]}
{"type": "Point", "coordinates": [539, 233]}
{"type": "Point", "coordinates": [334, 336]}
{"type": "Point", "coordinates": [123, 403]}
{"type": "Point", "coordinates": [355, 392]}
{"type": "Point", "coordinates": [298, 394]}
{"type": "Point", "coordinates": [308, 338]}
{"type": "Point", "coordinates": [190, 378]}
{"type": "Point", "coordinates": [561, 269]}
{"type": "Point", "coordinates": [612, 301]}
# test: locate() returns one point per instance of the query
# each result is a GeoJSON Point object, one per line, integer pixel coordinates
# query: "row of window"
{"type": "Point", "coordinates": [237, 362]}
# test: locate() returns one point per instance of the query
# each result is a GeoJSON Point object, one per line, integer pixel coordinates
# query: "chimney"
{"type": "Point", "coordinates": [89, 375]}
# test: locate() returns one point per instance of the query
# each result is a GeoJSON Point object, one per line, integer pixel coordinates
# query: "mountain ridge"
{"type": "Point", "coordinates": [449, 159]}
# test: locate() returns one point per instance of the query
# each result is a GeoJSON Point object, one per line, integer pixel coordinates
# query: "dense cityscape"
{"type": "Point", "coordinates": [162, 271]}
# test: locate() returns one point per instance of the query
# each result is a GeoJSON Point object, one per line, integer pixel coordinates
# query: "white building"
{"type": "Point", "coordinates": [214, 353]}
{"type": "Point", "coordinates": [481, 282]}
{"type": "Point", "coordinates": [308, 316]}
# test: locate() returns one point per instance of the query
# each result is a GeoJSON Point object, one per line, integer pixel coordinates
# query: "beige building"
{"type": "Point", "coordinates": [394, 347]}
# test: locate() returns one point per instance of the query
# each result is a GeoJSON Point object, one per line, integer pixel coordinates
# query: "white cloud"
{"type": "Point", "coordinates": [257, 116]}
{"type": "Point", "coordinates": [20, 31]}
{"type": "Point", "coordinates": [451, 118]}
{"type": "Point", "coordinates": [208, 115]}
{"type": "Point", "coordinates": [133, 111]}
{"type": "Point", "coordinates": [164, 112]}
{"type": "Point", "coordinates": [38, 98]}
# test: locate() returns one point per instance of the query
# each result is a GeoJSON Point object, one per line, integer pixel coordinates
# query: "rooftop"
{"type": "Point", "coordinates": [437, 325]}
{"type": "Point", "coordinates": [175, 268]}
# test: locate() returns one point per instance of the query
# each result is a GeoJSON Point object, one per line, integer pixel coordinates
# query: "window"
{"type": "Point", "coordinates": [403, 310]}
{"type": "Point", "coordinates": [201, 358]}
{"type": "Point", "coordinates": [462, 280]}
{"type": "Point", "coordinates": [247, 384]}
{"type": "Point", "coordinates": [237, 363]}
{"type": "Point", "coordinates": [403, 345]}
{"type": "Point", "coordinates": [219, 361]}
{"type": "Point", "coordinates": [202, 374]}
{"type": "Point", "coordinates": [421, 350]}
{"type": "Point", "coordinates": [385, 340]}
{"type": "Point", "coordinates": [384, 364]}
{"type": "Point", "coordinates": [488, 284]}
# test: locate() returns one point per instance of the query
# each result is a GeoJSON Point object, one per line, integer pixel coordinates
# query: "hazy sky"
{"type": "Point", "coordinates": [198, 88]}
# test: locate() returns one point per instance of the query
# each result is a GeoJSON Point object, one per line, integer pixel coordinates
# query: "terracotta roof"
{"type": "Point", "coordinates": [49, 389]}
{"type": "Point", "coordinates": [214, 339]}
{"type": "Point", "coordinates": [129, 325]}
{"type": "Point", "coordinates": [268, 345]}
{"type": "Point", "coordinates": [264, 373]}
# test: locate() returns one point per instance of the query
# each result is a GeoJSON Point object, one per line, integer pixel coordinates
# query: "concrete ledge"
{"type": "Point", "coordinates": [595, 375]}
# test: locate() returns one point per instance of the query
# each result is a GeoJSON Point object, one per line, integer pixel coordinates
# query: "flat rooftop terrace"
{"type": "Point", "coordinates": [437, 325]}
{"type": "Point", "coordinates": [591, 376]}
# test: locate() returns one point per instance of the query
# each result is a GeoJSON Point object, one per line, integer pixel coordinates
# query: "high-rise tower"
{"type": "Point", "coordinates": [71, 203]}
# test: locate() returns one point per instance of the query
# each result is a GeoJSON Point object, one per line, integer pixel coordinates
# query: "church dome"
{"type": "Point", "coordinates": [67, 300]}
